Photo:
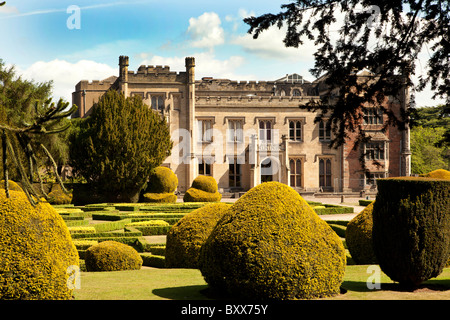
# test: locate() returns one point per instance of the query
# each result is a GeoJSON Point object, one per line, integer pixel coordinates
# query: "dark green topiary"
{"type": "Point", "coordinates": [112, 256]}
{"type": "Point", "coordinates": [411, 228]}
{"type": "Point", "coordinates": [358, 236]}
{"type": "Point", "coordinates": [187, 236]}
{"type": "Point", "coordinates": [272, 245]}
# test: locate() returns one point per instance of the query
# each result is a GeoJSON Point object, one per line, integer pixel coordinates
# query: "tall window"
{"type": "Point", "coordinates": [235, 131]}
{"type": "Point", "coordinates": [157, 103]}
{"type": "Point", "coordinates": [295, 166]}
{"type": "Point", "coordinates": [204, 167]}
{"type": "Point", "coordinates": [325, 173]}
{"type": "Point", "coordinates": [373, 116]}
{"type": "Point", "coordinates": [296, 93]}
{"type": "Point", "coordinates": [204, 130]}
{"type": "Point", "coordinates": [265, 130]}
{"type": "Point", "coordinates": [234, 174]}
{"type": "Point", "coordinates": [375, 150]}
{"type": "Point", "coordinates": [324, 132]}
{"type": "Point", "coordinates": [295, 130]}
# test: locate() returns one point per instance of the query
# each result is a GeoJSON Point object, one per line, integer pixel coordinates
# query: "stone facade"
{"type": "Point", "coordinates": [247, 132]}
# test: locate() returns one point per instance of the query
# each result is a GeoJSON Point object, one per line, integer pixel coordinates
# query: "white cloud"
{"type": "Point", "coordinates": [206, 30]}
{"type": "Point", "coordinates": [8, 9]}
{"type": "Point", "coordinates": [66, 75]}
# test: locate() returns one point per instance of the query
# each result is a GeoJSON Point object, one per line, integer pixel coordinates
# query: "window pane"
{"type": "Point", "coordinates": [231, 168]}
{"type": "Point", "coordinates": [321, 167]}
{"type": "Point", "coordinates": [293, 180]}
{"type": "Point", "coordinates": [207, 169]}
{"type": "Point", "coordinates": [298, 180]}
{"type": "Point", "coordinates": [298, 167]}
{"type": "Point", "coordinates": [328, 167]}
{"type": "Point", "coordinates": [292, 166]}
{"type": "Point", "coordinates": [238, 168]}
{"type": "Point", "coordinates": [201, 169]}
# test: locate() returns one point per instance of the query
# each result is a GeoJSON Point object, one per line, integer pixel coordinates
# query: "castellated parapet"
{"type": "Point", "coordinates": [251, 101]}
{"type": "Point", "coordinates": [156, 74]}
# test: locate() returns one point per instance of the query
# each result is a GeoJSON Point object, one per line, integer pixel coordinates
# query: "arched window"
{"type": "Point", "coordinates": [296, 93]}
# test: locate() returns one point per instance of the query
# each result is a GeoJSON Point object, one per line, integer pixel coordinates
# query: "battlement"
{"type": "Point", "coordinates": [102, 85]}
{"type": "Point", "coordinates": [253, 101]}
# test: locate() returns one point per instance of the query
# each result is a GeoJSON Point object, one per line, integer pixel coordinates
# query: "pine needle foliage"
{"type": "Point", "coordinates": [116, 148]}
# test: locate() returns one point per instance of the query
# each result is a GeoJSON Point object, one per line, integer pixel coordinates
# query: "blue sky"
{"type": "Point", "coordinates": [36, 39]}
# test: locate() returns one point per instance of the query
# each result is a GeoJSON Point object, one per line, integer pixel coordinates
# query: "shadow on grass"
{"type": "Point", "coordinates": [195, 292]}
{"type": "Point", "coordinates": [430, 285]}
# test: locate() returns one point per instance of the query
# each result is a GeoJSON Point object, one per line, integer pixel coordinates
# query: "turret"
{"type": "Point", "coordinates": [123, 74]}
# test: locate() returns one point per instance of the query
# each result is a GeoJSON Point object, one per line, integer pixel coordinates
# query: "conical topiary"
{"type": "Point", "coordinates": [272, 245]}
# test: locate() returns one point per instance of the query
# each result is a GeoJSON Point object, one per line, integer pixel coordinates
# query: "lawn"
{"type": "Point", "coordinates": [188, 284]}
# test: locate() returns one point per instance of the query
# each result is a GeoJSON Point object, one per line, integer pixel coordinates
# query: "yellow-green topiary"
{"type": "Point", "coordinates": [196, 195]}
{"type": "Point", "coordinates": [271, 244]}
{"type": "Point", "coordinates": [11, 185]}
{"type": "Point", "coordinates": [37, 256]}
{"type": "Point", "coordinates": [112, 256]}
{"type": "Point", "coordinates": [358, 236]}
{"type": "Point", "coordinates": [187, 236]}
{"type": "Point", "coordinates": [162, 180]}
{"type": "Point", "coordinates": [58, 196]}
{"type": "Point", "coordinates": [203, 189]}
{"type": "Point", "coordinates": [159, 197]}
{"type": "Point", "coordinates": [205, 183]}
{"type": "Point", "coordinates": [439, 174]}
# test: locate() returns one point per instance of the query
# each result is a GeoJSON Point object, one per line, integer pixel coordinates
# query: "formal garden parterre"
{"type": "Point", "coordinates": [270, 244]}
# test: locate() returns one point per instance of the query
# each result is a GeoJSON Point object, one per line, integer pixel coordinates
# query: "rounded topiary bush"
{"type": "Point", "coordinates": [159, 197]}
{"type": "Point", "coordinates": [205, 183]}
{"type": "Point", "coordinates": [203, 189]}
{"type": "Point", "coordinates": [271, 244]}
{"type": "Point", "coordinates": [358, 236]}
{"type": "Point", "coordinates": [36, 251]}
{"type": "Point", "coordinates": [196, 195]}
{"type": "Point", "coordinates": [11, 185]}
{"type": "Point", "coordinates": [162, 180]}
{"type": "Point", "coordinates": [411, 228]}
{"type": "Point", "coordinates": [186, 237]}
{"type": "Point", "coordinates": [439, 174]}
{"type": "Point", "coordinates": [112, 256]}
{"type": "Point", "coordinates": [58, 196]}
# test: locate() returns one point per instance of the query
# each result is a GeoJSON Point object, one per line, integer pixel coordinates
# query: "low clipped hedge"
{"type": "Point", "coordinates": [186, 237]}
{"type": "Point", "coordinates": [439, 174]}
{"type": "Point", "coordinates": [359, 237]}
{"type": "Point", "coordinates": [153, 260]}
{"type": "Point", "coordinates": [112, 256]}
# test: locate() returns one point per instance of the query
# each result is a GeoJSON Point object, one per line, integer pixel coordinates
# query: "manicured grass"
{"type": "Point", "coordinates": [181, 284]}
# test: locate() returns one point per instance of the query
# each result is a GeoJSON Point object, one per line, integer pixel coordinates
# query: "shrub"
{"type": "Point", "coordinates": [272, 245]}
{"type": "Point", "coordinates": [112, 256]}
{"type": "Point", "coordinates": [186, 237]}
{"type": "Point", "coordinates": [149, 223]}
{"type": "Point", "coordinates": [159, 197]}
{"type": "Point", "coordinates": [439, 174]}
{"type": "Point", "coordinates": [162, 180]}
{"type": "Point", "coordinates": [205, 183]}
{"type": "Point", "coordinates": [358, 236]}
{"type": "Point", "coordinates": [118, 145]}
{"type": "Point", "coordinates": [11, 185]}
{"type": "Point", "coordinates": [36, 250]}
{"type": "Point", "coordinates": [58, 196]}
{"type": "Point", "coordinates": [197, 195]}
{"type": "Point", "coordinates": [74, 230]}
{"type": "Point", "coordinates": [411, 228]}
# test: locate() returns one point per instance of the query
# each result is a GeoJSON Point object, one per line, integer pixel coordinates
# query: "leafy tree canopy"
{"type": "Point", "coordinates": [385, 39]}
{"type": "Point", "coordinates": [118, 145]}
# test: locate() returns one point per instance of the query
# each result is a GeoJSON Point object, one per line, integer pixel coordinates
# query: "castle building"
{"type": "Point", "coordinates": [247, 132]}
